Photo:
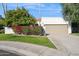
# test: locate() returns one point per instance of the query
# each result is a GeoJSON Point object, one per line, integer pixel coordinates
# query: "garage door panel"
{"type": "Point", "coordinates": [57, 29]}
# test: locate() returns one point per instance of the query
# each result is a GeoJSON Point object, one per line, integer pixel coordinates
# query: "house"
{"type": "Point", "coordinates": [55, 25]}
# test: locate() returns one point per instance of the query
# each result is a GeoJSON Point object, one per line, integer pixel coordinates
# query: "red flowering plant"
{"type": "Point", "coordinates": [19, 29]}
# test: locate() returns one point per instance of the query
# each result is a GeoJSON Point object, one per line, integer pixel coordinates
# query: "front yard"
{"type": "Point", "coordinates": [39, 40]}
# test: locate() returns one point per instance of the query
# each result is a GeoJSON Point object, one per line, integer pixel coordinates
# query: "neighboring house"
{"type": "Point", "coordinates": [55, 25]}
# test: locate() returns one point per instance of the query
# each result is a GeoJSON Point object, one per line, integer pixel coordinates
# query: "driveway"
{"type": "Point", "coordinates": [68, 44]}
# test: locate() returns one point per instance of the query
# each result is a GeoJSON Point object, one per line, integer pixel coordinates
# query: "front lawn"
{"type": "Point", "coordinates": [27, 39]}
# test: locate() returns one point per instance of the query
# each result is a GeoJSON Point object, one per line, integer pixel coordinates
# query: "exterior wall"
{"type": "Point", "coordinates": [55, 20]}
{"type": "Point", "coordinates": [9, 30]}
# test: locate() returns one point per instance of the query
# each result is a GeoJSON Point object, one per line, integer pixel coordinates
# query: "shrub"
{"type": "Point", "coordinates": [25, 30]}
{"type": "Point", "coordinates": [17, 29]}
{"type": "Point", "coordinates": [37, 30]}
{"type": "Point", "coordinates": [29, 30]}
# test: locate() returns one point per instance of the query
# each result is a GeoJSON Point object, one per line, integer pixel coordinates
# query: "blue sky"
{"type": "Point", "coordinates": [38, 10]}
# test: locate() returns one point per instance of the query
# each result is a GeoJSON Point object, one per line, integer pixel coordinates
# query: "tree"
{"type": "Point", "coordinates": [20, 16]}
{"type": "Point", "coordinates": [71, 12]}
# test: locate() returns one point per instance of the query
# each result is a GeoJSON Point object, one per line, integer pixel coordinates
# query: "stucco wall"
{"type": "Point", "coordinates": [9, 30]}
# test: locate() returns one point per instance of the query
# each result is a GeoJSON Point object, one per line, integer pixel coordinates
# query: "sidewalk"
{"type": "Point", "coordinates": [26, 49]}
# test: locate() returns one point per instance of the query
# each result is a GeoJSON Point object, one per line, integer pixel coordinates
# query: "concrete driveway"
{"type": "Point", "coordinates": [68, 44]}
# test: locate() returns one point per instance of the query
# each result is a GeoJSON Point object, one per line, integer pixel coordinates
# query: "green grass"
{"type": "Point", "coordinates": [27, 39]}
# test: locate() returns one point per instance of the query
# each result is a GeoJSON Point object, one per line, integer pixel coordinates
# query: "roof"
{"type": "Point", "coordinates": [38, 19]}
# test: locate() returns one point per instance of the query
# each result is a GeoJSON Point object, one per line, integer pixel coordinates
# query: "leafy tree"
{"type": "Point", "coordinates": [20, 16]}
{"type": "Point", "coordinates": [71, 12]}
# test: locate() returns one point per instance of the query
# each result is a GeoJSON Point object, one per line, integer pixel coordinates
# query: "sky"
{"type": "Point", "coordinates": [37, 10]}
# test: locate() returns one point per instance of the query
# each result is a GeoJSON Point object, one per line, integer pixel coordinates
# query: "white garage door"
{"type": "Point", "coordinates": [57, 29]}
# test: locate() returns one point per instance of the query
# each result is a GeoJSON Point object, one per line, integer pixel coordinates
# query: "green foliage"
{"type": "Point", "coordinates": [20, 16]}
{"type": "Point", "coordinates": [71, 12]}
{"type": "Point", "coordinates": [25, 30]}
{"type": "Point", "coordinates": [2, 22]}
{"type": "Point", "coordinates": [37, 30]}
